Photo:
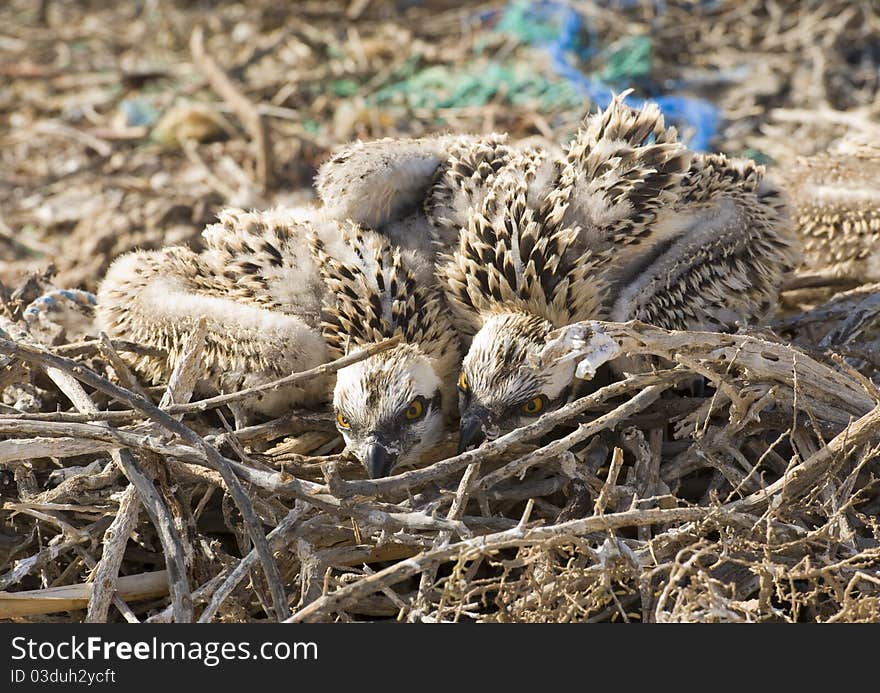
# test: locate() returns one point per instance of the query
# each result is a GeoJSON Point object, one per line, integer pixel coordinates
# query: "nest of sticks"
{"type": "Point", "coordinates": [732, 478]}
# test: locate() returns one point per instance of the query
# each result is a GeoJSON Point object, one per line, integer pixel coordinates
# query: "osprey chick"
{"type": "Point", "coordinates": [836, 196]}
{"type": "Point", "coordinates": [634, 227]}
{"type": "Point", "coordinates": [284, 291]}
{"type": "Point", "coordinates": [394, 405]}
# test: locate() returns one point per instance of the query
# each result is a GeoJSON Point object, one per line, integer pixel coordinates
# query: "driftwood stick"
{"type": "Point", "coordinates": [456, 511]}
{"type": "Point", "coordinates": [25, 566]}
{"type": "Point", "coordinates": [610, 482]}
{"type": "Point", "coordinates": [764, 360]}
{"type": "Point", "coordinates": [16, 449]}
{"type": "Point", "coordinates": [296, 421]}
{"type": "Point", "coordinates": [186, 370]}
{"type": "Point", "coordinates": [55, 436]}
{"type": "Point", "coordinates": [802, 476]}
{"type": "Point", "coordinates": [93, 345]}
{"type": "Point", "coordinates": [517, 536]}
{"type": "Point", "coordinates": [858, 121]}
{"type": "Point", "coordinates": [557, 447]}
{"type": "Point", "coordinates": [158, 511]}
{"type": "Point", "coordinates": [90, 478]}
{"type": "Point", "coordinates": [41, 357]}
{"type": "Point", "coordinates": [118, 602]}
{"type": "Point", "coordinates": [180, 387]}
{"type": "Point", "coordinates": [66, 528]}
{"type": "Point", "coordinates": [123, 373]}
{"type": "Point", "coordinates": [115, 540]}
{"type": "Point", "coordinates": [71, 597]}
{"type": "Point", "coordinates": [247, 562]}
{"type": "Point", "coordinates": [73, 507]}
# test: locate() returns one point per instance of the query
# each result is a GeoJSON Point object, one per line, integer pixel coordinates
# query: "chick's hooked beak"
{"type": "Point", "coordinates": [379, 460]}
{"type": "Point", "coordinates": [472, 430]}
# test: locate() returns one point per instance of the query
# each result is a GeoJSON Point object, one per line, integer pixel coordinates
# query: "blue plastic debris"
{"type": "Point", "coordinates": [49, 301]}
{"type": "Point", "coordinates": [138, 112]}
{"type": "Point", "coordinates": [474, 85]}
{"type": "Point", "coordinates": [567, 37]}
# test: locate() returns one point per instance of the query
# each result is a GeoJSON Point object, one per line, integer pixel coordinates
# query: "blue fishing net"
{"type": "Point", "coordinates": [570, 42]}
{"type": "Point", "coordinates": [581, 65]}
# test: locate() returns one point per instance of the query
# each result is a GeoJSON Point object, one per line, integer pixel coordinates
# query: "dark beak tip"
{"type": "Point", "coordinates": [379, 461]}
{"type": "Point", "coordinates": [471, 434]}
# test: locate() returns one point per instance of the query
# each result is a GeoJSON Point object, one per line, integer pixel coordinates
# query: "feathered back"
{"type": "Point", "coordinates": [373, 183]}
{"type": "Point", "coordinates": [468, 174]}
{"type": "Point", "coordinates": [261, 257]}
{"type": "Point", "coordinates": [463, 180]}
{"type": "Point", "coordinates": [622, 170]}
{"type": "Point", "coordinates": [374, 295]}
{"type": "Point", "coordinates": [511, 257]}
{"type": "Point", "coordinates": [728, 262]}
{"type": "Point", "coordinates": [836, 196]}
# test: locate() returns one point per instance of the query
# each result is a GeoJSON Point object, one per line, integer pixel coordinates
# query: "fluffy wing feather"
{"type": "Point", "coordinates": [836, 197]}
{"type": "Point", "coordinates": [727, 264]}
{"type": "Point", "coordinates": [378, 182]}
{"type": "Point", "coordinates": [622, 170]}
{"type": "Point", "coordinates": [513, 257]}
{"type": "Point", "coordinates": [157, 298]}
{"type": "Point", "coordinates": [263, 258]}
{"type": "Point", "coordinates": [374, 295]}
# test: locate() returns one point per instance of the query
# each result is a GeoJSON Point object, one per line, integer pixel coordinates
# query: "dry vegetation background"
{"type": "Point", "coordinates": [128, 125]}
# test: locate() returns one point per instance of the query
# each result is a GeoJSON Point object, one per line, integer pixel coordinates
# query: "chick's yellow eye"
{"type": "Point", "coordinates": [533, 406]}
{"type": "Point", "coordinates": [462, 382]}
{"type": "Point", "coordinates": [415, 409]}
{"type": "Point", "coordinates": [342, 421]}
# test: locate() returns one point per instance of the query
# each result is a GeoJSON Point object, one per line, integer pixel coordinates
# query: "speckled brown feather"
{"type": "Point", "coordinates": [836, 197]}
{"type": "Point", "coordinates": [373, 295]}
{"type": "Point", "coordinates": [636, 227]}
{"type": "Point", "coordinates": [682, 240]}
{"type": "Point", "coordinates": [261, 302]}
{"type": "Point", "coordinates": [463, 179]}
{"type": "Point", "coordinates": [728, 264]}
{"type": "Point", "coordinates": [514, 258]}
{"type": "Point", "coordinates": [622, 171]}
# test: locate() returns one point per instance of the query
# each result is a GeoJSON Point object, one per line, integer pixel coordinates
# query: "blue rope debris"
{"type": "Point", "coordinates": [55, 299]}
{"type": "Point", "coordinates": [567, 37]}
{"type": "Point", "coordinates": [442, 86]}
{"type": "Point", "coordinates": [572, 45]}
